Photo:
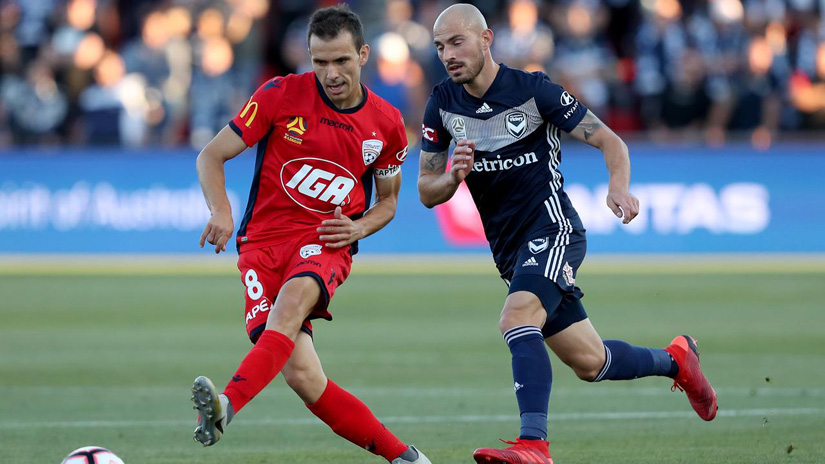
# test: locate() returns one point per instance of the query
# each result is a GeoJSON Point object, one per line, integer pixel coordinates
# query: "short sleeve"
{"type": "Point", "coordinates": [557, 106]}
{"type": "Point", "coordinates": [393, 155]}
{"type": "Point", "coordinates": [256, 117]}
{"type": "Point", "coordinates": [434, 138]}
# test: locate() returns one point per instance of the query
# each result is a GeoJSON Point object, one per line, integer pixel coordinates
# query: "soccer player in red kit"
{"type": "Point", "coordinates": [323, 138]}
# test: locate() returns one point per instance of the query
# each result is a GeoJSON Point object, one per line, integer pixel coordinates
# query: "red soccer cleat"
{"type": "Point", "coordinates": [522, 452]}
{"type": "Point", "coordinates": [690, 378]}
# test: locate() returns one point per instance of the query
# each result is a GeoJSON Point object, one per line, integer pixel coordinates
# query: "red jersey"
{"type": "Point", "coordinates": [313, 157]}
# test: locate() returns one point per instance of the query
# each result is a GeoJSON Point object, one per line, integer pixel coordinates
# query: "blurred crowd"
{"type": "Point", "coordinates": [173, 72]}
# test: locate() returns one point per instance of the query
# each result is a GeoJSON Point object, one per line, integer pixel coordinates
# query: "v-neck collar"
{"type": "Point", "coordinates": [475, 99]}
{"type": "Point", "coordinates": [332, 105]}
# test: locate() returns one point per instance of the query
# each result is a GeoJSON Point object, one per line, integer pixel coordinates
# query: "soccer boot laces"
{"type": "Point", "coordinates": [690, 378]}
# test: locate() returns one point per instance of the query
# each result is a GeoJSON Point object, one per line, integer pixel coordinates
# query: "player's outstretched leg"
{"type": "Point", "coordinates": [690, 378]}
{"type": "Point", "coordinates": [345, 414]}
{"type": "Point", "coordinates": [212, 411]}
{"type": "Point", "coordinates": [521, 452]}
{"type": "Point", "coordinates": [351, 419]}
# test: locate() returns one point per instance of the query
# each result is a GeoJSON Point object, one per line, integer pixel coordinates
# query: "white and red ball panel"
{"type": "Point", "coordinates": [92, 455]}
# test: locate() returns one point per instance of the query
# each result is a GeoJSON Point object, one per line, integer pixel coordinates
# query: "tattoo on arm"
{"type": "Point", "coordinates": [433, 162]}
{"type": "Point", "coordinates": [589, 125]}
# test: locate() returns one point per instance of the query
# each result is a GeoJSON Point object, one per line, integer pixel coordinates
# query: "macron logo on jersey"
{"type": "Point", "coordinates": [485, 108]}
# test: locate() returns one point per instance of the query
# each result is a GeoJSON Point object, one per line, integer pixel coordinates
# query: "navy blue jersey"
{"type": "Point", "coordinates": [515, 182]}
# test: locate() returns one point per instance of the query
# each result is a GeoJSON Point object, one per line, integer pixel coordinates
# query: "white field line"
{"type": "Point", "coordinates": [417, 264]}
{"type": "Point", "coordinates": [561, 417]}
{"type": "Point", "coordinates": [425, 392]}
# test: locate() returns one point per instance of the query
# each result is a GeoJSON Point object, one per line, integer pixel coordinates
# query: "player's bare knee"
{"type": "Point", "coordinates": [588, 375]}
{"type": "Point", "coordinates": [287, 316]}
{"type": "Point", "coordinates": [518, 312]}
{"type": "Point", "coordinates": [514, 318]}
{"type": "Point", "coordinates": [587, 367]}
{"type": "Point", "coordinates": [284, 322]}
{"type": "Point", "coordinates": [309, 384]}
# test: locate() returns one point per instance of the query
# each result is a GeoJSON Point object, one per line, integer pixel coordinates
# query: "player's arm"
{"type": "Point", "coordinates": [592, 131]}
{"type": "Point", "coordinates": [225, 146]}
{"type": "Point", "coordinates": [436, 184]}
{"type": "Point", "coordinates": [342, 231]}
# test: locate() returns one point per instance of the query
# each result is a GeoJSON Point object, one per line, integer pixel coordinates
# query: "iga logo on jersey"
{"type": "Point", "coordinates": [516, 123]}
{"type": "Point", "coordinates": [316, 184]}
{"type": "Point", "coordinates": [310, 250]}
{"type": "Point", "coordinates": [371, 149]}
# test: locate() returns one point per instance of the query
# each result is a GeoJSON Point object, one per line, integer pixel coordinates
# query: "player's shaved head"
{"type": "Point", "coordinates": [462, 40]}
{"type": "Point", "coordinates": [463, 17]}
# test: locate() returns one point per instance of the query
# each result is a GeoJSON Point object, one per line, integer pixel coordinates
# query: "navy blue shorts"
{"type": "Point", "coordinates": [547, 267]}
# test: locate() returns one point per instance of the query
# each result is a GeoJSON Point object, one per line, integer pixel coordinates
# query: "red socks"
{"type": "Point", "coordinates": [344, 413]}
{"type": "Point", "coordinates": [263, 362]}
{"type": "Point", "coordinates": [347, 416]}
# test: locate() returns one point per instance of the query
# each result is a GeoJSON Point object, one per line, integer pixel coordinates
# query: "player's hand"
{"type": "Point", "coordinates": [462, 160]}
{"type": "Point", "coordinates": [623, 204]}
{"type": "Point", "coordinates": [218, 231]}
{"type": "Point", "coordinates": [340, 231]}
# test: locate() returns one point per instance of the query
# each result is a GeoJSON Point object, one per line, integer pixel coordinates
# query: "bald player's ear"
{"type": "Point", "coordinates": [487, 38]}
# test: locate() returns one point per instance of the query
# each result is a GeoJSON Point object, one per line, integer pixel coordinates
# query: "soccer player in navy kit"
{"type": "Point", "coordinates": [505, 124]}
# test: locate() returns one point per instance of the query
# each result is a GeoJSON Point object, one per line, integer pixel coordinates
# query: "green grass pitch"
{"type": "Point", "coordinates": [105, 355]}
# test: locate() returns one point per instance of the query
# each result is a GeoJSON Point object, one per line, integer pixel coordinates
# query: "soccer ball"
{"type": "Point", "coordinates": [92, 455]}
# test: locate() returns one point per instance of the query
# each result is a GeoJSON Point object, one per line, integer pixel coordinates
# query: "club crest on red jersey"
{"type": "Point", "coordinates": [317, 184]}
{"type": "Point", "coordinates": [295, 128]}
{"type": "Point", "coordinates": [371, 149]}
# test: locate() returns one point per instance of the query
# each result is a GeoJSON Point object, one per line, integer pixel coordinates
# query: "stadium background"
{"type": "Point", "coordinates": [105, 297]}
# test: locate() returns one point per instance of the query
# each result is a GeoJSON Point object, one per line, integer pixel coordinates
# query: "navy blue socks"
{"type": "Point", "coordinates": [624, 362]}
{"type": "Point", "coordinates": [533, 377]}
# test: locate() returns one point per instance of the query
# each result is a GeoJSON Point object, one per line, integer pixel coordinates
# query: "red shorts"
{"type": "Point", "coordinates": [265, 270]}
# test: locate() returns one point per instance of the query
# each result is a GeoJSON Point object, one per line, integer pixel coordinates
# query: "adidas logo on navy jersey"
{"type": "Point", "coordinates": [530, 262]}
{"type": "Point", "coordinates": [485, 108]}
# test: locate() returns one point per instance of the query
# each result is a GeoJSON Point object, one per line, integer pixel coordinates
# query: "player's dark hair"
{"type": "Point", "coordinates": [327, 23]}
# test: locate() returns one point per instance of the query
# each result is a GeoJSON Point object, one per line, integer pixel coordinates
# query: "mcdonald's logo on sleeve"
{"type": "Point", "coordinates": [250, 105]}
